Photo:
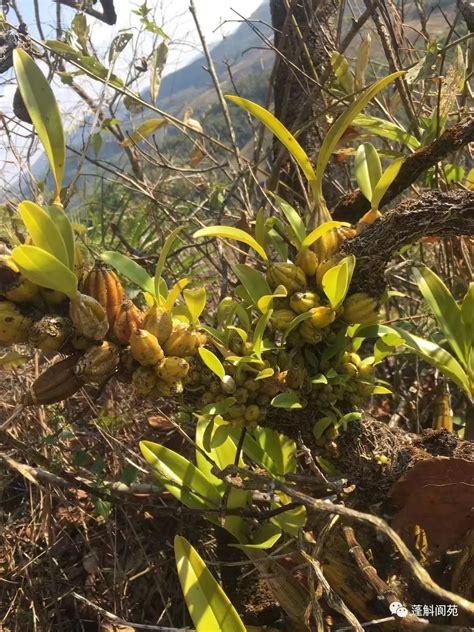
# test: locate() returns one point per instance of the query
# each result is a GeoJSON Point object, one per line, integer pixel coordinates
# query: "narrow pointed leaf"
{"type": "Point", "coordinates": [230, 232]}
{"type": "Point", "coordinates": [320, 231]}
{"type": "Point", "coordinates": [145, 130]}
{"type": "Point", "coordinates": [293, 217]}
{"type": "Point", "coordinates": [385, 180]}
{"type": "Point", "coordinates": [339, 127]}
{"type": "Point", "coordinates": [212, 362]}
{"type": "Point", "coordinates": [209, 607]}
{"type": "Point", "coordinates": [169, 241]}
{"type": "Point", "coordinates": [445, 309]}
{"type": "Point", "coordinates": [280, 131]}
{"type": "Point", "coordinates": [129, 269]}
{"type": "Point", "coordinates": [180, 477]}
{"type": "Point", "coordinates": [44, 112]}
{"type": "Point", "coordinates": [253, 281]}
{"type": "Point", "coordinates": [368, 169]}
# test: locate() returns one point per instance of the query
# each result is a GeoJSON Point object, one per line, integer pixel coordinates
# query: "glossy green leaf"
{"type": "Point", "coordinates": [265, 303]}
{"type": "Point", "coordinates": [173, 294]}
{"type": "Point", "coordinates": [290, 521]}
{"type": "Point", "coordinates": [43, 109]}
{"type": "Point", "coordinates": [386, 129]}
{"type": "Point", "coordinates": [279, 451]}
{"type": "Point", "coordinates": [337, 280]}
{"type": "Point", "coordinates": [259, 332]}
{"type": "Point", "coordinates": [45, 270]}
{"type": "Point", "coordinates": [230, 232]}
{"type": "Point", "coordinates": [295, 322]}
{"type": "Point", "coordinates": [129, 269]}
{"type": "Point", "coordinates": [445, 309]}
{"type": "Point", "coordinates": [180, 477]}
{"type": "Point", "coordinates": [279, 130]}
{"type": "Point", "coordinates": [293, 217]}
{"type": "Point", "coordinates": [341, 69]}
{"type": "Point", "coordinates": [264, 374]}
{"type": "Point", "coordinates": [43, 231]}
{"type": "Point", "coordinates": [60, 218]}
{"type": "Point", "coordinates": [425, 349]}
{"type": "Point", "coordinates": [322, 425]}
{"type": "Point", "coordinates": [212, 362]}
{"type": "Point", "coordinates": [253, 281]}
{"type": "Point", "coordinates": [264, 537]}
{"type": "Point", "coordinates": [195, 300]}
{"type": "Point", "coordinates": [165, 250]}
{"type": "Point", "coordinates": [368, 169]}
{"type": "Point", "coordinates": [339, 127]}
{"type": "Point", "coordinates": [320, 231]}
{"type": "Point", "coordinates": [145, 130]}
{"type": "Point", "coordinates": [385, 180]}
{"type": "Point", "coordinates": [286, 400]}
{"type": "Point", "coordinates": [209, 607]}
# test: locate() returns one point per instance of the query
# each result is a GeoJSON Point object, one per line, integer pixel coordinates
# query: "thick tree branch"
{"type": "Point", "coordinates": [352, 206]}
{"type": "Point", "coordinates": [432, 214]}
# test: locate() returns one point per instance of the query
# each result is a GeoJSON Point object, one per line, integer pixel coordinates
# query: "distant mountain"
{"type": "Point", "coordinates": [241, 59]}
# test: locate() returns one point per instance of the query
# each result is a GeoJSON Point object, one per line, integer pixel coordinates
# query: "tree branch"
{"type": "Point", "coordinates": [352, 206]}
{"type": "Point", "coordinates": [108, 14]}
{"type": "Point", "coordinates": [432, 214]}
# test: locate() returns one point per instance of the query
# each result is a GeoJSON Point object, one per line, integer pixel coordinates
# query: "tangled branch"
{"type": "Point", "coordinates": [353, 205]}
{"type": "Point", "coordinates": [432, 214]}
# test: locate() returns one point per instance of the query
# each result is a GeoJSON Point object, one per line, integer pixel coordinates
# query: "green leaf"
{"type": "Point", "coordinates": [129, 269]}
{"type": "Point", "coordinates": [368, 169]}
{"type": "Point", "coordinates": [44, 112]}
{"type": "Point", "coordinates": [257, 344]}
{"type": "Point", "coordinates": [145, 130]}
{"type": "Point", "coordinates": [339, 127]}
{"type": "Point", "coordinates": [337, 280]}
{"type": "Point", "coordinates": [230, 232]}
{"type": "Point", "coordinates": [195, 300]}
{"type": "Point", "coordinates": [293, 217]}
{"type": "Point", "coordinates": [180, 477]}
{"type": "Point", "coordinates": [253, 281]}
{"type": "Point", "coordinates": [290, 521]}
{"type": "Point", "coordinates": [341, 69]}
{"type": "Point", "coordinates": [425, 349]}
{"type": "Point", "coordinates": [381, 390]}
{"type": "Point", "coordinates": [386, 129]}
{"type": "Point", "coordinates": [208, 605]}
{"type": "Point", "coordinates": [265, 373]}
{"type": "Point", "coordinates": [165, 250]}
{"type": "Point", "coordinates": [280, 131]}
{"type": "Point", "coordinates": [212, 362]}
{"type": "Point", "coordinates": [279, 451]}
{"type": "Point", "coordinates": [320, 231]}
{"type": "Point", "coordinates": [266, 302]}
{"type": "Point", "coordinates": [445, 309]}
{"type": "Point", "coordinates": [43, 231]}
{"type": "Point", "coordinates": [286, 400]}
{"type": "Point", "coordinates": [64, 226]}
{"type": "Point", "coordinates": [385, 180]}
{"type": "Point", "coordinates": [322, 425]}
{"type": "Point", "coordinates": [264, 537]}
{"type": "Point", "coordinates": [45, 270]}
{"type": "Point", "coordinates": [295, 322]}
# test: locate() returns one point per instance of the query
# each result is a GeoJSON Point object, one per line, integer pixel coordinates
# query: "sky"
{"type": "Point", "coordinates": [217, 19]}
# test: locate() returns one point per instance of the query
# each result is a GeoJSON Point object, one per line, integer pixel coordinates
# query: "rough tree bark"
{"type": "Point", "coordinates": [304, 38]}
